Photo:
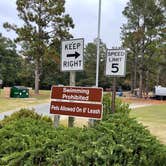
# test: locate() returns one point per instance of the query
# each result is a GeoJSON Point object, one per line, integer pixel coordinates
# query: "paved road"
{"type": "Point", "coordinates": [43, 109]}
{"type": "Point", "coordinates": [137, 105]}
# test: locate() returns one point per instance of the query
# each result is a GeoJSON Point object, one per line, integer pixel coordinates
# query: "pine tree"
{"type": "Point", "coordinates": [44, 22]}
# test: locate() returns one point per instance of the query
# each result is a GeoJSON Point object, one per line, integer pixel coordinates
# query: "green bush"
{"type": "Point", "coordinates": [27, 138]}
{"type": "Point", "coordinates": [23, 113]}
{"type": "Point", "coordinates": [31, 140]}
{"type": "Point", "coordinates": [122, 108]}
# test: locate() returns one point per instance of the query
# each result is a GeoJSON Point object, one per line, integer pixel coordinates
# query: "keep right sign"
{"type": "Point", "coordinates": [116, 62]}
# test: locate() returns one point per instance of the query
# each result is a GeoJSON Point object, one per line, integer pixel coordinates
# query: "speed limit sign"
{"type": "Point", "coordinates": [116, 62]}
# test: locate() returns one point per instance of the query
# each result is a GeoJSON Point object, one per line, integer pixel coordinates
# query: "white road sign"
{"type": "Point", "coordinates": [116, 62]}
{"type": "Point", "coordinates": [72, 55]}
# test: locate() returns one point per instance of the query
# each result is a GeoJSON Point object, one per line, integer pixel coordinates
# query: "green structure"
{"type": "Point", "coordinates": [19, 92]}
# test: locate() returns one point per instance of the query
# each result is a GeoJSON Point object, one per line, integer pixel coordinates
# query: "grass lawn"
{"type": "Point", "coordinates": [154, 117]}
{"type": "Point", "coordinates": [7, 104]}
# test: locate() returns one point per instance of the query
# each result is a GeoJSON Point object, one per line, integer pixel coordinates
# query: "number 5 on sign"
{"type": "Point", "coordinates": [115, 67]}
{"type": "Point", "coordinates": [116, 62]}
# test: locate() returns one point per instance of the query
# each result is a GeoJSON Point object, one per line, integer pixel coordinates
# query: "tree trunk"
{"type": "Point", "coordinates": [135, 72]}
{"type": "Point", "coordinates": [141, 66]}
{"type": "Point", "coordinates": [132, 82]}
{"type": "Point", "coordinates": [158, 77]}
{"type": "Point", "coordinates": [147, 84]}
{"type": "Point", "coordinates": [37, 76]}
{"type": "Point", "coordinates": [140, 83]}
{"type": "Point", "coordinates": [141, 75]}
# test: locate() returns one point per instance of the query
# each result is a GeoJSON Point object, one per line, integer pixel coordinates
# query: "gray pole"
{"type": "Point", "coordinates": [72, 83]}
{"type": "Point", "coordinates": [98, 44]}
{"type": "Point", "coordinates": [91, 121]}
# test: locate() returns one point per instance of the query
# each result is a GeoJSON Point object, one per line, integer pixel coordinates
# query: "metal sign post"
{"type": "Point", "coordinates": [98, 45]}
{"type": "Point", "coordinates": [91, 121]}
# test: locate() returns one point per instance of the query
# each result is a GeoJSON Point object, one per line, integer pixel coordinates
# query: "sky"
{"type": "Point", "coordinates": [85, 18]}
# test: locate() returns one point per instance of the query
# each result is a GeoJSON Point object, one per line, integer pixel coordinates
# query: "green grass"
{"type": "Point", "coordinates": [154, 117]}
{"type": "Point", "coordinates": [7, 104]}
{"type": "Point", "coordinates": [156, 113]}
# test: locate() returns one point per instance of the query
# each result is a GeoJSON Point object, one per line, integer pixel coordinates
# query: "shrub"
{"type": "Point", "coordinates": [24, 113]}
{"type": "Point", "coordinates": [119, 140]}
{"type": "Point", "coordinates": [122, 108]}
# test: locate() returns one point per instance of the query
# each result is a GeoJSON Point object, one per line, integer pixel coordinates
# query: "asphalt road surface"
{"type": "Point", "coordinates": [42, 109]}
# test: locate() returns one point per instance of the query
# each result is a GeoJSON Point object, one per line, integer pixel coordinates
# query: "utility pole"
{"type": "Point", "coordinates": [91, 121]}
{"type": "Point", "coordinates": [98, 44]}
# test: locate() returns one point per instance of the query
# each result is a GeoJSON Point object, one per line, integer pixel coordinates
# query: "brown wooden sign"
{"type": "Point", "coordinates": [77, 93]}
{"type": "Point", "coordinates": [76, 109]}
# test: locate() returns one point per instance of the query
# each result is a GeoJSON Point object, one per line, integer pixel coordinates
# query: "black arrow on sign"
{"type": "Point", "coordinates": [76, 55]}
